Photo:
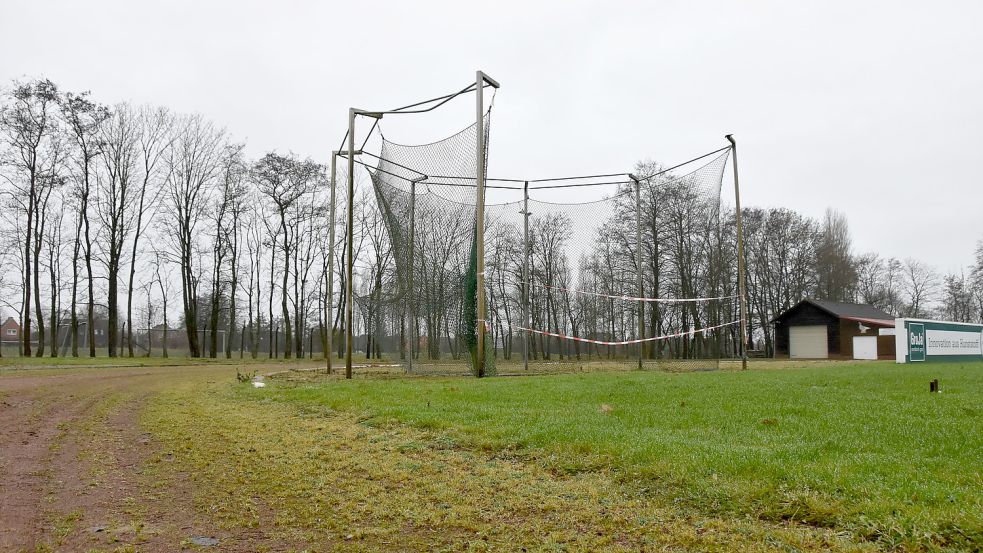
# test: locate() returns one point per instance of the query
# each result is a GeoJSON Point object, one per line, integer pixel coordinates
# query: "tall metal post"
{"type": "Point", "coordinates": [638, 263]}
{"type": "Point", "coordinates": [329, 308]}
{"type": "Point", "coordinates": [349, 310]}
{"type": "Point", "coordinates": [525, 275]}
{"type": "Point", "coordinates": [480, 221]}
{"type": "Point", "coordinates": [411, 296]}
{"type": "Point", "coordinates": [741, 269]}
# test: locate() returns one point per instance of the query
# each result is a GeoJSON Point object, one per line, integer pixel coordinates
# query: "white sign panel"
{"type": "Point", "coordinates": [953, 342]}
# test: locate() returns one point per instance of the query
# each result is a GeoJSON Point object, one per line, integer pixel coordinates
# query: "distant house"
{"type": "Point", "coordinates": [10, 331]}
{"type": "Point", "coordinates": [815, 329]}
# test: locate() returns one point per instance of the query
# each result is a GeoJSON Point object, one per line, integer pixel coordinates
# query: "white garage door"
{"type": "Point", "coordinates": [807, 342]}
{"type": "Point", "coordinates": [865, 347]}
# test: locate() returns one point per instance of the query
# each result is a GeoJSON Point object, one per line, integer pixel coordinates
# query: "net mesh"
{"type": "Point", "coordinates": [562, 283]}
{"type": "Point", "coordinates": [425, 311]}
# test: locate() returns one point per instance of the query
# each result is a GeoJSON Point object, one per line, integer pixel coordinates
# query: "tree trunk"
{"type": "Point", "coordinates": [112, 302]}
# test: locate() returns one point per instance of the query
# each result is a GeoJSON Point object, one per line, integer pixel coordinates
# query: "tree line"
{"type": "Point", "coordinates": [129, 213]}
{"type": "Point", "coordinates": [133, 213]}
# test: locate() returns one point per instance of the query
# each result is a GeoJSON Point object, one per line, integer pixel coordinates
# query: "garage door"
{"type": "Point", "coordinates": [865, 347]}
{"type": "Point", "coordinates": [808, 342]}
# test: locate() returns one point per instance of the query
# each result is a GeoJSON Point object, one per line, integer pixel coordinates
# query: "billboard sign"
{"type": "Point", "coordinates": [924, 340]}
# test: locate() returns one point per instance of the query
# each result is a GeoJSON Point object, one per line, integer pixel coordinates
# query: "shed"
{"type": "Point", "coordinates": [816, 329]}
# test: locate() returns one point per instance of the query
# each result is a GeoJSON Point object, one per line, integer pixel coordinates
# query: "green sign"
{"type": "Point", "coordinates": [916, 342]}
{"type": "Point", "coordinates": [920, 340]}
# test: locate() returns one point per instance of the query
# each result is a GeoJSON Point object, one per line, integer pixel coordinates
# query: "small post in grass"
{"type": "Point", "coordinates": [933, 386]}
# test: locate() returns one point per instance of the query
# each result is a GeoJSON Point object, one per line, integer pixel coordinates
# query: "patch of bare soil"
{"type": "Point", "coordinates": [73, 468]}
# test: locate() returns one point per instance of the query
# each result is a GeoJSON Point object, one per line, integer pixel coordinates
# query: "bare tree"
{"type": "Point", "coordinates": [956, 302]}
{"type": "Point", "coordinates": [154, 135]}
{"type": "Point", "coordinates": [835, 270]}
{"type": "Point", "coordinates": [235, 185]}
{"type": "Point", "coordinates": [284, 179]}
{"type": "Point", "coordinates": [28, 125]}
{"type": "Point", "coordinates": [976, 278]}
{"type": "Point", "coordinates": [254, 248]}
{"type": "Point", "coordinates": [84, 120]}
{"type": "Point", "coordinates": [163, 279]}
{"type": "Point", "coordinates": [193, 163]}
{"type": "Point", "coordinates": [116, 190]}
{"type": "Point", "coordinates": [53, 244]}
{"type": "Point", "coordinates": [920, 284]}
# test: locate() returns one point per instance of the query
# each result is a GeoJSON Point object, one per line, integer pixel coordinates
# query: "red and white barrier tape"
{"type": "Point", "coordinates": [632, 298]}
{"type": "Point", "coordinates": [627, 342]}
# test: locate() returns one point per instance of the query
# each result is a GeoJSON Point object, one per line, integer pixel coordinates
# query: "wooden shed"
{"type": "Point", "coordinates": [815, 329]}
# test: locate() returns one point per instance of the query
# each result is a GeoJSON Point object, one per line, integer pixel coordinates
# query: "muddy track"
{"type": "Point", "coordinates": [72, 455]}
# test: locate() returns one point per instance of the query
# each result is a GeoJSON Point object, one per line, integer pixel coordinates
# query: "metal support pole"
{"type": "Point", "coordinates": [329, 308]}
{"type": "Point", "coordinates": [349, 310]}
{"type": "Point", "coordinates": [525, 275]}
{"type": "Point", "coordinates": [480, 222]}
{"type": "Point", "coordinates": [638, 262]}
{"type": "Point", "coordinates": [741, 269]}
{"type": "Point", "coordinates": [410, 297]}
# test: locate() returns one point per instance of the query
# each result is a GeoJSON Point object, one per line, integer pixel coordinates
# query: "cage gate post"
{"type": "Point", "coordinates": [349, 311]}
{"type": "Point", "coordinates": [480, 222]}
{"type": "Point", "coordinates": [741, 283]}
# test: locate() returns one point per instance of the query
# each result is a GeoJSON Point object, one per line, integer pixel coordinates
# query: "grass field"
{"type": "Point", "coordinates": [784, 457]}
{"type": "Point", "coordinates": [864, 449]}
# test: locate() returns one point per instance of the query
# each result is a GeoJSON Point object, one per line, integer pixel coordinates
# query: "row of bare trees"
{"type": "Point", "coordinates": [108, 210]}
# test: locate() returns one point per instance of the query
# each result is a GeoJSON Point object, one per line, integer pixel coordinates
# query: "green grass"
{"type": "Point", "coordinates": [862, 448]}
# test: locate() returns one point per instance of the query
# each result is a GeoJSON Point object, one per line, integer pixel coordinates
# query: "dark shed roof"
{"type": "Point", "coordinates": [843, 310]}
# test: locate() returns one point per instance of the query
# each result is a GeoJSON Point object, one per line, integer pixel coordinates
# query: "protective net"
{"type": "Point", "coordinates": [422, 312]}
{"type": "Point", "coordinates": [637, 278]}
{"type": "Point", "coordinates": [644, 275]}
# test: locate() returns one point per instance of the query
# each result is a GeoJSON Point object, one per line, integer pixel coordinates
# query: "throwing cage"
{"type": "Point", "coordinates": [648, 275]}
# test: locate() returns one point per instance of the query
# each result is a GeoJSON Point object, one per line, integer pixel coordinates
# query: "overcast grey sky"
{"type": "Point", "coordinates": [873, 108]}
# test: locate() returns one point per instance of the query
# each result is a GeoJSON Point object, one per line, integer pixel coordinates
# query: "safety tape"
{"type": "Point", "coordinates": [632, 298]}
{"type": "Point", "coordinates": [628, 342]}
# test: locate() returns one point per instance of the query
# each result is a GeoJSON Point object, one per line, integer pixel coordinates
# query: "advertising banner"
{"type": "Point", "coordinates": [920, 340]}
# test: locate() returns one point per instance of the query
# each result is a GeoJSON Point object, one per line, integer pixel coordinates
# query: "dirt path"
{"type": "Point", "coordinates": [71, 456]}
